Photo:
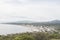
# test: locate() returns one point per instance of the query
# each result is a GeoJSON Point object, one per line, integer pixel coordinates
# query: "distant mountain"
{"type": "Point", "coordinates": [19, 22]}
{"type": "Point", "coordinates": [24, 21]}
{"type": "Point", "coordinates": [55, 21]}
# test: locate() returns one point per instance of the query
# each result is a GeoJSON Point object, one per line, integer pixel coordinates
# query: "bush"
{"type": "Point", "coordinates": [24, 37]}
{"type": "Point", "coordinates": [55, 36]}
{"type": "Point", "coordinates": [30, 36]}
{"type": "Point", "coordinates": [41, 36]}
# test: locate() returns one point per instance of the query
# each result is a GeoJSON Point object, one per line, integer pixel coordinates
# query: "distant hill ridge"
{"type": "Point", "coordinates": [54, 21]}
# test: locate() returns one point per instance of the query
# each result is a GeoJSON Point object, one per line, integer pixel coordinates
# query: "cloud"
{"type": "Point", "coordinates": [29, 9]}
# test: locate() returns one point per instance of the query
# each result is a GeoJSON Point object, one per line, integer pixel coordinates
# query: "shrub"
{"type": "Point", "coordinates": [24, 37]}
{"type": "Point", "coordinates": [41, 36]}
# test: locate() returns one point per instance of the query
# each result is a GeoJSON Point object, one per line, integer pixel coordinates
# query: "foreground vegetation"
{"type": "Point", "coordinates": [31, 36]}
{"type": "Point", "coordinates": [55, 39]}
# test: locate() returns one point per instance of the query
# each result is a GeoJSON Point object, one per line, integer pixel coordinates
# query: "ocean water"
{"type": "Point", "coordinates": [12, 29]}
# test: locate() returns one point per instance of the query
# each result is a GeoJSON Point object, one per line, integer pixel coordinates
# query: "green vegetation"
{"type": "Point", "coordinates": [24, 37]}
{"type": "Point", "coordinates": [31, 36]}
{"type": "Point", "coordinates": [55, 39]}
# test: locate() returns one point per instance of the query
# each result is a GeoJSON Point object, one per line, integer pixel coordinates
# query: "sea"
{"type": "Point", "coordinates": [12, 29]}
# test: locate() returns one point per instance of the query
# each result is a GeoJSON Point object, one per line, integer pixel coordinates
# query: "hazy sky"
{"type": "Point", "coordinates": [36, 10]}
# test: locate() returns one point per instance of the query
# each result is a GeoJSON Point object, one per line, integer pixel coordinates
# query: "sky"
{"type": "Point", "coordinates": [33, 10]}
